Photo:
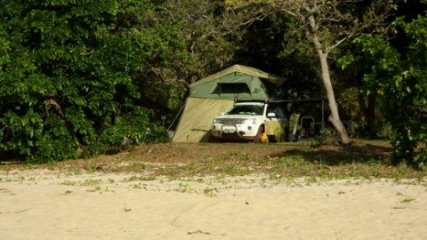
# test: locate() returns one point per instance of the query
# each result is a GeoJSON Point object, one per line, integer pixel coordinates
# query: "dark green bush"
{"type": "Point", "coordinates": [56, 142]}
{"type": "Point", "coordinates": [70, 76]}
{"type": "Point", "coordinates": [128, 130]}
{"type": "Point", "coordinates": [326, 136]}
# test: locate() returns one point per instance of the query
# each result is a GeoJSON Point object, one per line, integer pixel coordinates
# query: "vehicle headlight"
{"type": "Point", "coordinates": [250, 121]}
{"type": "Point", "coordinates": [215, 121]}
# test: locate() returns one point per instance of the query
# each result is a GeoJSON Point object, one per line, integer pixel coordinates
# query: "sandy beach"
{"type": "Point", "coordinates": [41, 204]}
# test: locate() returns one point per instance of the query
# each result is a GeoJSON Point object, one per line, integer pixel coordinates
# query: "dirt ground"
{"type": "Point", "coordinates": [185, 153]}
{"type": "Point", "coordinates": [188, 152]}
{"type": "Point", "coordinates": [295, 159]}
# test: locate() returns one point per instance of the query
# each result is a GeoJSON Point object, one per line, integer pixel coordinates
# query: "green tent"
{"type": "Point", "coordinates": [216, 93]}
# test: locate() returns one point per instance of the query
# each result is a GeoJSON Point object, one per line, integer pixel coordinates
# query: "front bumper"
{"type": "Point", "coordinates": [241, 132]}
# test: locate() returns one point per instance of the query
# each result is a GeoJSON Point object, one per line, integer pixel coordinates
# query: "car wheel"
{"type": "Point", "coordinates": [261, 135]}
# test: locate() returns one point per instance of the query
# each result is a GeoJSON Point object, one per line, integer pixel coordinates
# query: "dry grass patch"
{"type": "Point", "coordinates": [286, 160]}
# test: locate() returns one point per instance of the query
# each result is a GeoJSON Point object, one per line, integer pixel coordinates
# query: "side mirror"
{"type": "Point", "coordinates": [271, 115]}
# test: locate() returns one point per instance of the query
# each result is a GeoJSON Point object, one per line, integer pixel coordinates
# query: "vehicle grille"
{"type": "Point", "coordinates": [231, 121]}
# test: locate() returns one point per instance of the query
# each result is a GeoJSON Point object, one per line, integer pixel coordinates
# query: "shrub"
{"type": "Point", "coordinates": [68, 76]}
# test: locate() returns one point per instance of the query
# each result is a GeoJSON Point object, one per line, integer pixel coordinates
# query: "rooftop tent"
{"type": "Point", "coordinates": [237, 83]}
{"type": "Point", "coordinates": [216, 93]}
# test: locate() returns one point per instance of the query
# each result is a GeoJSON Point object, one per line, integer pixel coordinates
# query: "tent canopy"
{"type": "Point", "coordinates": [237, 83]}
{"type": "Point", "coordinates": [196, 120]}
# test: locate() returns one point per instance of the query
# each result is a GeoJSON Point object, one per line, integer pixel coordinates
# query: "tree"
{"type": "Point", "coordinates": [68, 76]}
{"type": "Point", "coordinates": [360, 97]}
{"type": "Point", "coordinates": [202, 43]}
{"type": "Point", "coordinates": [327, 24]}
{"type": "Point", "coordinates": [269, 45]}
{"type": "Point", "coordinates": [211, 33]}
{"type": "Point", "coordinates": [399, 78]}
{"type": "Point", "coordinates": [162, 83]}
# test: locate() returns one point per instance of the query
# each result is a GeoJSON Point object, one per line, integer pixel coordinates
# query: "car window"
{"type": "Point", "coordinates": [247, 110]}
{"type": "Point", "coordinates": [276, 109]}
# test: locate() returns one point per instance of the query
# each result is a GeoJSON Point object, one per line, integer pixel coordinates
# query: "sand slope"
{"type": "Point", "coordinates": [51, 205]}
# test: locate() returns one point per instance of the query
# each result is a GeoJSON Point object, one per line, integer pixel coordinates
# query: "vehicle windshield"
{"type": "Point", "coordinates": [247, 110]}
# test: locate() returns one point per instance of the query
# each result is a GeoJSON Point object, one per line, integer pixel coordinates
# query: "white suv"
{"type": "Point", "coordinates": [251, 121]}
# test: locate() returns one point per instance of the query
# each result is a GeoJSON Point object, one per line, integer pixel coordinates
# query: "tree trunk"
{"type": "Point", "coordinates": [334, 118]}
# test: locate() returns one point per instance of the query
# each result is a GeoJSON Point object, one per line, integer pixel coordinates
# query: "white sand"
{"type": "Point", "coordinates": [48, 205]}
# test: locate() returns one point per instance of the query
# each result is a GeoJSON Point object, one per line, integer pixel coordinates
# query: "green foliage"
{"type": "Point", "coordinates": [69, 75]}
{"type": "Point", "coordinates": [326, 136]}
{"type": "Point", "coordinates": [55, 143]}
{"type": "Point", "coordinates": [131, 129]}
{"type": "Point", "coordinates": [80, 78]}
{"type": "Point", "coordinates": [400, 79]}
{"type": "Point", "coordinates": [208, 35]}
{"type": "Point", "coordinates": [270, 45]}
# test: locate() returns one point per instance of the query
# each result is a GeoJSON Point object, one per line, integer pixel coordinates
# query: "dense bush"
{"type": "Point", "coordinates": [68, 76]}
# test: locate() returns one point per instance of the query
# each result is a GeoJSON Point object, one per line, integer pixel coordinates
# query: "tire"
{"type": "Point", "coordinates": [259, 135]}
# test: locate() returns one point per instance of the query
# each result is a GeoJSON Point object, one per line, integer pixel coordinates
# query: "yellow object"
{"type": "Point", "coordinates": [264, 137]}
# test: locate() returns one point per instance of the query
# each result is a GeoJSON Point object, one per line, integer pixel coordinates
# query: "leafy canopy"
{"type": "Point", "coordinates": [69, 75]}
